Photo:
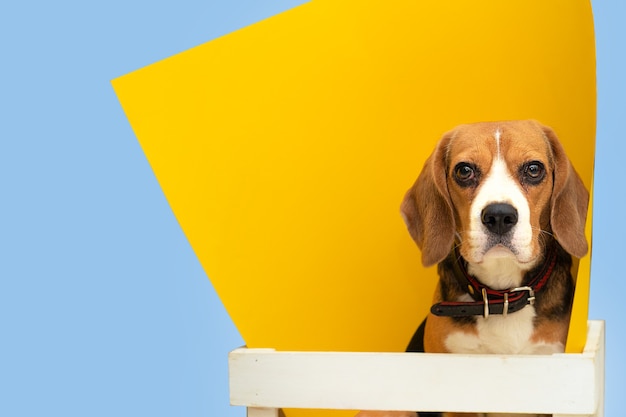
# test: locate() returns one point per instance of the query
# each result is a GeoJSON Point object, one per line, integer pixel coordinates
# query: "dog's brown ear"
{"type": "Point", "coordinates": [570, 200]}
{"type": "Point", "coordinates": [427, 209]}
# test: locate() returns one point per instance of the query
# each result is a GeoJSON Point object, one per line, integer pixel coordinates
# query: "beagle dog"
{"type": "Point", "coordinates": [501, 211]}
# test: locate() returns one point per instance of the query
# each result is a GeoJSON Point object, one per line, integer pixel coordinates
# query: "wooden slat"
{"type": "Point", "coordinates": [565, 384]}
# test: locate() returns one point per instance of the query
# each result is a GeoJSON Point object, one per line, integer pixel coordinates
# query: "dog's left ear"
{"type": "Point", "coordinates": [570, 200]}
{"type": "Point", "coordinates": [427, 208]}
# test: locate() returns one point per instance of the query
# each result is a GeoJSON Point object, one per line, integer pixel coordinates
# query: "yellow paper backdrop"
{"type": "Point", "coordinates": [284, 150]}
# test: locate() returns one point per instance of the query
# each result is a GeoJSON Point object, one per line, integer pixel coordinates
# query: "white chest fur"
{"type": "Point", "coordinates": [502, 335]}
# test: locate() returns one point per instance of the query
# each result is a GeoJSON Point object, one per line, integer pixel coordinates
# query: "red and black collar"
{"type": "Point", "coordinates": [489, 301]}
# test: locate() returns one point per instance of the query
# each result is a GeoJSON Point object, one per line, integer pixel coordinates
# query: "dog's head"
{"type": "Point", "coordinates": [501, 188]}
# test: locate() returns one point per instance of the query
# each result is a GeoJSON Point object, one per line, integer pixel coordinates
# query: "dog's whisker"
{"type": "Point", "coordinates": [541, 231]}
{"type": "Point", "coordinates": [543, 236]}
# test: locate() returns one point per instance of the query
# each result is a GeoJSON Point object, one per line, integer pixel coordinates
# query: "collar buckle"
{"type": "Point", "coordinates": [531, 293]}
{"type": "Point", "coordinates": [505, 306]}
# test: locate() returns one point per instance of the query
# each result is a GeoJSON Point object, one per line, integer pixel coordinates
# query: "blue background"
{"type": "Point", "coordinates": [104, 309]}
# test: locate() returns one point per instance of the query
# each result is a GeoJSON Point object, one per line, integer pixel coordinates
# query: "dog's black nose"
{"type": "Point", "coordinates": [499, 218]}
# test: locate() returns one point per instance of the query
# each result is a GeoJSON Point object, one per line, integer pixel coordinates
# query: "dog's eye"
{"type": "Point", "coordinates": [465, 173]}
{"type": "Point", "coordinates": [533, 172]}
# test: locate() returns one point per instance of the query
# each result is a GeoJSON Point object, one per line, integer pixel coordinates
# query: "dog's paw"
{"type": "Point", "coordinates": [386, 414]}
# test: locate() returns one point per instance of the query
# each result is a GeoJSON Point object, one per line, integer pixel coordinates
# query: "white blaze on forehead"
{"type": "Point", "coordinates": [497, 137]}
{"type": "Point", "coordinates": [500, 187]}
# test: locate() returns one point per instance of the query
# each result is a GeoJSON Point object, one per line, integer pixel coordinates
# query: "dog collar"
{"type": "Point", "coordinates": [489, 301]}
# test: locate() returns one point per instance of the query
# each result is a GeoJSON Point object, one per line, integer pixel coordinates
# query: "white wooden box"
{"type": "Point", "coordinates": [265, 380]}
